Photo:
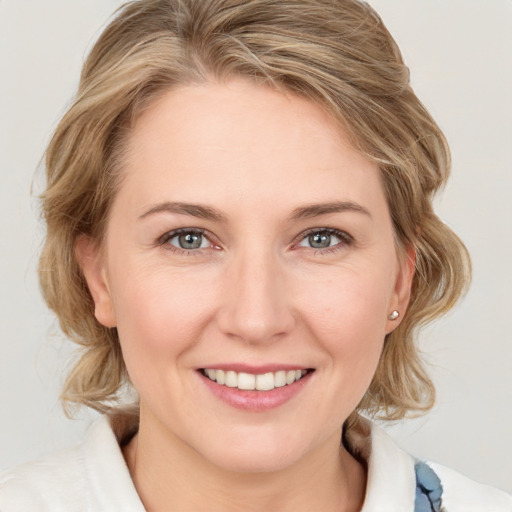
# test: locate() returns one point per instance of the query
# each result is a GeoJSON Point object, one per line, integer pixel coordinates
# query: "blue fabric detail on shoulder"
{"type": "Point", "coordinates": [428, 489]}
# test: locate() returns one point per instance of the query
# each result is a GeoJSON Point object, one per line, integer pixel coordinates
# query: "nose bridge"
{"type": "Point", "coordinates": [256, 307]}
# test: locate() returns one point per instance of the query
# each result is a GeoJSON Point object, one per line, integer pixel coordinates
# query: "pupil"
{"type": "Point", "coordinates": [190, 241]}
{"type": "Point", "coordinates": [320, 240]}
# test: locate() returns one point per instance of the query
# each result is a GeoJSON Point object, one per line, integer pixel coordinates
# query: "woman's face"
{"type": "Point", "coordinates": [247, 237]}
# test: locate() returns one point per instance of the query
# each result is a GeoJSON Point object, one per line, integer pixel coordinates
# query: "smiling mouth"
{"type": "Point", "coordinates": [254, 382]}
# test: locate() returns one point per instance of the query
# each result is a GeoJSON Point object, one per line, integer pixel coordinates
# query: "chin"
{"type": "Point", "coordinates": [262, 452]}
{"type": "Point", "coordinates": [243, 461]}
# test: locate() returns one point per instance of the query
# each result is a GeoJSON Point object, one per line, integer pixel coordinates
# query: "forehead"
{"type": "Point", "coordinates": [240, 139]}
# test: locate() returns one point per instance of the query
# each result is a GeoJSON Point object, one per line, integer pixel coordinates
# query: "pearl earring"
{"type": "Point", "coordinates": [394, 315]}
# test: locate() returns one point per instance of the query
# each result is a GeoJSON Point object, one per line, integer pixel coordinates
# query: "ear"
{"type": "Point", "coordinates": [402, 292]}
{"type": "Point", "coordinates": [93, 267]}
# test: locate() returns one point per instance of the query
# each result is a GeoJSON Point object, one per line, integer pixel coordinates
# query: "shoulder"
{"type": "Point", "coordinates": [461, 494]}
{"type": "Point", "coordinates": [405, 484]}
{"type": "Point", "coordinates": [39, 485]}
{"type": "Point", "coordinates": [91, 476]}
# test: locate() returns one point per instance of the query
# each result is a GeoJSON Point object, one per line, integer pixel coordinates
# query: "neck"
{"type": "Point", "coordinates": [170, 476]}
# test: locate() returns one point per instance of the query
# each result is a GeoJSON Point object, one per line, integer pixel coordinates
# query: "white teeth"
{"type": "Point", "coordinates": [280, 379]}
{"type": "Point", "coordinates": [250, 382]}
{"type": "Point", "coordinates": [246, 381]}
{"type": "Point", "coordinates": [231, 379]}
{"type": "Point", "coordinates": [265, 382]}
{"type": "Point", "coordinates": [290, 377]}
{"type": "Point", "coordinates": [220, 376]}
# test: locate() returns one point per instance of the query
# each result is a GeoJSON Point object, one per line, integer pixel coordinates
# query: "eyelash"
{"type": "Point", "coordinates": [164, 239]}
{"type": "Point", "coordinates": [346, 240]}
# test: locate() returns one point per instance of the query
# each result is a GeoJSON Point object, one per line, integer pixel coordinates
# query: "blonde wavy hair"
{"type": "Point", "coordinates": [337, 53]}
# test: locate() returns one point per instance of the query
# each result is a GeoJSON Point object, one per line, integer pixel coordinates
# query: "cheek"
{"type": "Point", "coordinates": [350, 302]}
{"type": "Point", "coordinates": [348, 318]}
{"type": "Point", "coordinates": [159, 317]}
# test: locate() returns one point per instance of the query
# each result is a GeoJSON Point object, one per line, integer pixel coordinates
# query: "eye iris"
{"type": "Point", "coordinates": [190, 240]}
{"type": "Point", "coordinates": [320, 240]}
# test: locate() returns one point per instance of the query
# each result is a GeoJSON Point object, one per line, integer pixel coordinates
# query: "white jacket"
{"type": "Point", "coordinates": [93, 477]}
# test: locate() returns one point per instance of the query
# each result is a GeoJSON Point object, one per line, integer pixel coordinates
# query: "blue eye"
{"type": "Point", "coordinates": [324, 239]}
{"type": "Point", "coordinates": [187, 240]}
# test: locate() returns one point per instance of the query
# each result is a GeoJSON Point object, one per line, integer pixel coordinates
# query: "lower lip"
{"type": "Point", "coordinates": [256, 401]}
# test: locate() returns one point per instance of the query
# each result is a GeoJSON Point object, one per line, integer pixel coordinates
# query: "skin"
{"type": "Point", "coordinates": [255, 293]}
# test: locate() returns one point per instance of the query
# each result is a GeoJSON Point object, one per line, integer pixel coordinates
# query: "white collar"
{"type": "Point", "coordinates": [391, 483]}
{"type": "Point", "coordinates": [111, 483]}
{"type": "Point", "coordinates": [390, 486]}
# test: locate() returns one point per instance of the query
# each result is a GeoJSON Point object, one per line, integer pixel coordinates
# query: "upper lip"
{"type": "Point", "coordinates": [255, 369]}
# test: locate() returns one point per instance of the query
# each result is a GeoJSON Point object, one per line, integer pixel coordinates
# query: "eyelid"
{"type": "Point", "coordinates": [346, 238]}
{"type": "Point", "coordinates": [163, 239]}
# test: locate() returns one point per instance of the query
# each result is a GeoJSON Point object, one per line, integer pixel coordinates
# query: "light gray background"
{"type": "Point", "coordinates": [459, 52]}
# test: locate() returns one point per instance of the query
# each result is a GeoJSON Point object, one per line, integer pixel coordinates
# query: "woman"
{"type": "Point", "coordinates": [240, 227]}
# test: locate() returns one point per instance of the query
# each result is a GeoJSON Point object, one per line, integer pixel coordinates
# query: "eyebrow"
{"type": "Point", "coordinates": [195, 210]}
{"type": "Point", "coordinates": [315, 210]}
{"type": "Point", "coordinates": [209, 213]}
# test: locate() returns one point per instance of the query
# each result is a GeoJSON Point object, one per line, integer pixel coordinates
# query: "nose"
{"type": "Point", "coordinates": [255, 305]}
